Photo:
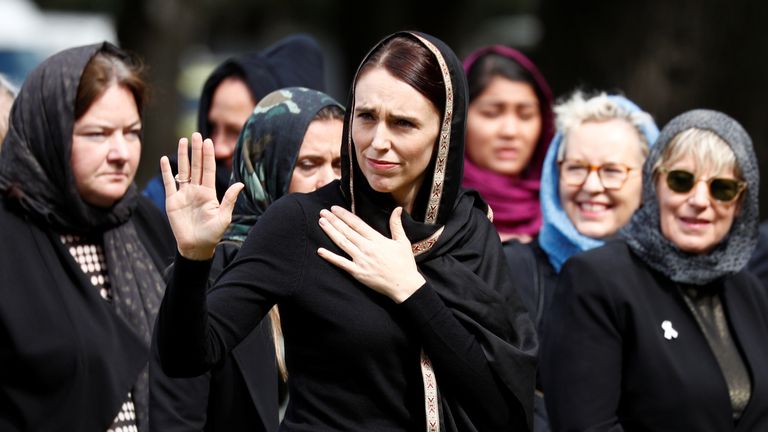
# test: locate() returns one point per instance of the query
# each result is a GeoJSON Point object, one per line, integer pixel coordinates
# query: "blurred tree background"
{"type": "Point", "coordinates": [668, 56]}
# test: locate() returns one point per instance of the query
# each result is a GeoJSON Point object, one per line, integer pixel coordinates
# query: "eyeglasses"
{"type": "Point", "coordinates": [721, 189]}
{"type": "Point", "coordinates": [612, 175]}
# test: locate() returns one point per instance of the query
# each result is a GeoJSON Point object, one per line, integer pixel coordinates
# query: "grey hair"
{"type": "Point", "coordinates": [708, 150]}
{"type": "Point", "coordinates": [579, 109]}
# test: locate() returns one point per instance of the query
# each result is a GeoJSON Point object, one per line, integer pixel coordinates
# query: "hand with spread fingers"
{"type": "Point", "coordinates": [197, 219]}
{"type": "Point", "coordinates": [384, 265]}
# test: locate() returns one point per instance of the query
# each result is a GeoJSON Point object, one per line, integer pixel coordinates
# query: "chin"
{"type": "Point", "coordinates": [695, 247]}
{"type": "Point", "coordinates": [595, 230]}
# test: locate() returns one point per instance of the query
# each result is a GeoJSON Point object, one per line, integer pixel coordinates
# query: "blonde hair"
{"type": "Point", "coordinates": [708, 150]}
{"type": "Point", "coordinates": [7, 92]}
{"type": "Point", "coordinates": [579, 109]}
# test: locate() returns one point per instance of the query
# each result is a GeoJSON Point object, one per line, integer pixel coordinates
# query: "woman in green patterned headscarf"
{"type": "Point", "coordinates": [290, 143]}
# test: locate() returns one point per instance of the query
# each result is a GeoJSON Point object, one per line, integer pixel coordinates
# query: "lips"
{"type": "Point", "coordinates": [507, 153]}
{"type": "Point", "coordinates": [380, 165]}
{"type": "Point", "coordinates": [593, 210]}
{"type": "Point", "coordinates": [694, 222]}
{"type": "Point", "coordinates": [115, 175]}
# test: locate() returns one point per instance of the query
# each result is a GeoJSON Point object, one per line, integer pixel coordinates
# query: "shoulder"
{"type": "Point", "coordinates": [299, 206]}
{"type": "Point", "coordinates": [746, 285]}
{"type": "Point", "coordinates": [8, 213]}
{"type": "Point", "coordinates": [292, 220]}
{"type": "Point", "coordinates": [524, 255]}
{"type": "Point", "coordinates": [611, 270]}
{"type": "Point", "coordinates": [611, 257]}
{"type": "Point", "coordinates": [15, 226]}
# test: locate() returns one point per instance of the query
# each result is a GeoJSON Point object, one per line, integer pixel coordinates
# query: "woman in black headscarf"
{"type": "Point", "coordinates": [296, 60]}
{"type": "Point", "coordinates": [82, 250]}
{"type": "Point", "coordinates": [289, 144]}
{"type": "Point", "coordinates": [421, 327]}
{"type": "Point", "coordinates": [665, 330]}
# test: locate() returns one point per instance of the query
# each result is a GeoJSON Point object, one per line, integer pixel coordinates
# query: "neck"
{"type": "Point", "coordinates": [406, 198]}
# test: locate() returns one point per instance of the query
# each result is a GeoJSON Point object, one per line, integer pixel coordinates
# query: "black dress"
{"type": "Point", "coordinates": [626, 370]}
{"type": "Point", "coordinates": [68, 359]}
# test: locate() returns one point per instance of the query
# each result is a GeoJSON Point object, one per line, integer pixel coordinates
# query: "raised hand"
{"type": "Point", "coordinates": [197, 219]}
{"type": "Point", "coordinates": [382, 264]}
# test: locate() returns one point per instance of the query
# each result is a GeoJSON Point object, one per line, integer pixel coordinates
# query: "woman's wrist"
{"type": "Point", "coordinates": [197, 254]}
{"type": "Point", "coordinates": [406, 288]}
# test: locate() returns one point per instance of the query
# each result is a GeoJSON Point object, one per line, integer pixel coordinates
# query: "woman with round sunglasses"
{"type": "Point", "coordinates": [663, 329]}
{"type": "Point", "coordinates": [590, 187]}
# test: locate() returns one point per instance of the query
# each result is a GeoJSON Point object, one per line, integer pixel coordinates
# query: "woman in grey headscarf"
{"type": "Point", "coordinates": [664, 330]}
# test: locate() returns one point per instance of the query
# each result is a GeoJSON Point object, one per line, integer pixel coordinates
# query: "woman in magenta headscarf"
{"type": "Point", "coordinates": [509, 126]}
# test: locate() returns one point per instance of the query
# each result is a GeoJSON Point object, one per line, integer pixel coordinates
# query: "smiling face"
{"type": "Point", "coordinates": [595, 211]}
{"type": "Point", "coordinates": [319, 160]}
{"type": "Point", "coordinates": [394, 129]}
{"type": "Point", "coordinates": [106, 147]}
{"type": "Point", "coordinates": [503, 126]}
{"type": "Point", "coordinates": [694, 221]}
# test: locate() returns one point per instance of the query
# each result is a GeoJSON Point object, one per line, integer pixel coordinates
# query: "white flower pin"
{"type": "Point", "coordinates": [669, 332]}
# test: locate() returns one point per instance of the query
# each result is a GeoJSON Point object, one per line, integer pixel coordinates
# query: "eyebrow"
{"type": "Point", "coordinates": [106, 126]}
{"type": "Point", "coordinates": [493, 101]}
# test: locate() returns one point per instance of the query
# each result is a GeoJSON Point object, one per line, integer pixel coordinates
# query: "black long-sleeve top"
{"type": "Point", "coordinates": [353, 355]}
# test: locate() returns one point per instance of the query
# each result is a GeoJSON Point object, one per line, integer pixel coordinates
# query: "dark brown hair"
{"type": "Point", "coordinates": [492, 65]}
{"type": "Point", "coordinates": [110, 65]}
{"type": "Point", "coordinates": [411, 62]}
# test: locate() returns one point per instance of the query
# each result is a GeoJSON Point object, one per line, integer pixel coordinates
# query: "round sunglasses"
{"type": "Point", "coordinates": [721, 189]}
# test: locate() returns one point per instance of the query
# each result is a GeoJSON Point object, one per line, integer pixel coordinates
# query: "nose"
{"type": "Point", "coordinates": [223, 147]}
{"type": "Point", "coordinates": [509, 125]}
{"type": "Point", "coordinates": [118, 148]}
{"type": "Point", "coordinates": [593, 183]}
{"type": "Point", "coordinates": [699, 195]}
{"type": "Point", "coordinates": [325, 176]}
{"type": "Point", "coordinates": [381, 138]}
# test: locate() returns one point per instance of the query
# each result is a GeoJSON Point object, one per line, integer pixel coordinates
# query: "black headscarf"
{"type": "Point", "coordinates": [455, 245]}
{"type": "Point", "coordinates": [36, 173]}
{"type": "Point", "coordinates": [267, 150]}
{"type": "Point", "coordinates": [295, 61]}
{"type": "Point", "coordinates": [643, 232]}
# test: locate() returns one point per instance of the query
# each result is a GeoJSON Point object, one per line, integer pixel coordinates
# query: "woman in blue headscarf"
{"type": "Point", "coordinates": [591, 185]}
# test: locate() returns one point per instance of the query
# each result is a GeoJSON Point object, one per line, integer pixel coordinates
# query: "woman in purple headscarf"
{"type": "Point", "coordinates": [509, 126]}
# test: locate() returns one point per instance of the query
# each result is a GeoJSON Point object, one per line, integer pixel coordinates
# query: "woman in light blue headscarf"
{"type": "Point", "coordinates": [591, 185]}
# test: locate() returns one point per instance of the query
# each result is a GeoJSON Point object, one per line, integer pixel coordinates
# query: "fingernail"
{"type": "Point", "coordinates": [324, 213]}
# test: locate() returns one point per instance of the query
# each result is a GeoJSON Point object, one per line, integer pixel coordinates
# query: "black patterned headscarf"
{"type": "Point", "coordinates": [456, 248]}
{"type": "Point", "coordinates": [643, 232]}
{"type": "Point", "coordinates": [36, 174]}
{"type": "Point", "coordinates": [267, 151]}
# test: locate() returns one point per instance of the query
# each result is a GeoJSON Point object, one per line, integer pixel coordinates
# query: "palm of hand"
{"type": "Point", "coordinates": [197, 219]}
{"type": "Point", "coordinates": [195, 214]}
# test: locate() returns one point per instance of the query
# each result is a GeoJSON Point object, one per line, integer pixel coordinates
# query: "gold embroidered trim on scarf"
{"type": "Point", "coordinates": [425, 245]}
{"type": "Point", "coordinates": [430, 394]}
{"type": "Point", "coordinates": [445, 137]}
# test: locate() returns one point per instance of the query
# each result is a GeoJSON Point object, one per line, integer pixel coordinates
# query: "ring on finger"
{"type": "Point", "coordinates": [178, 180]}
